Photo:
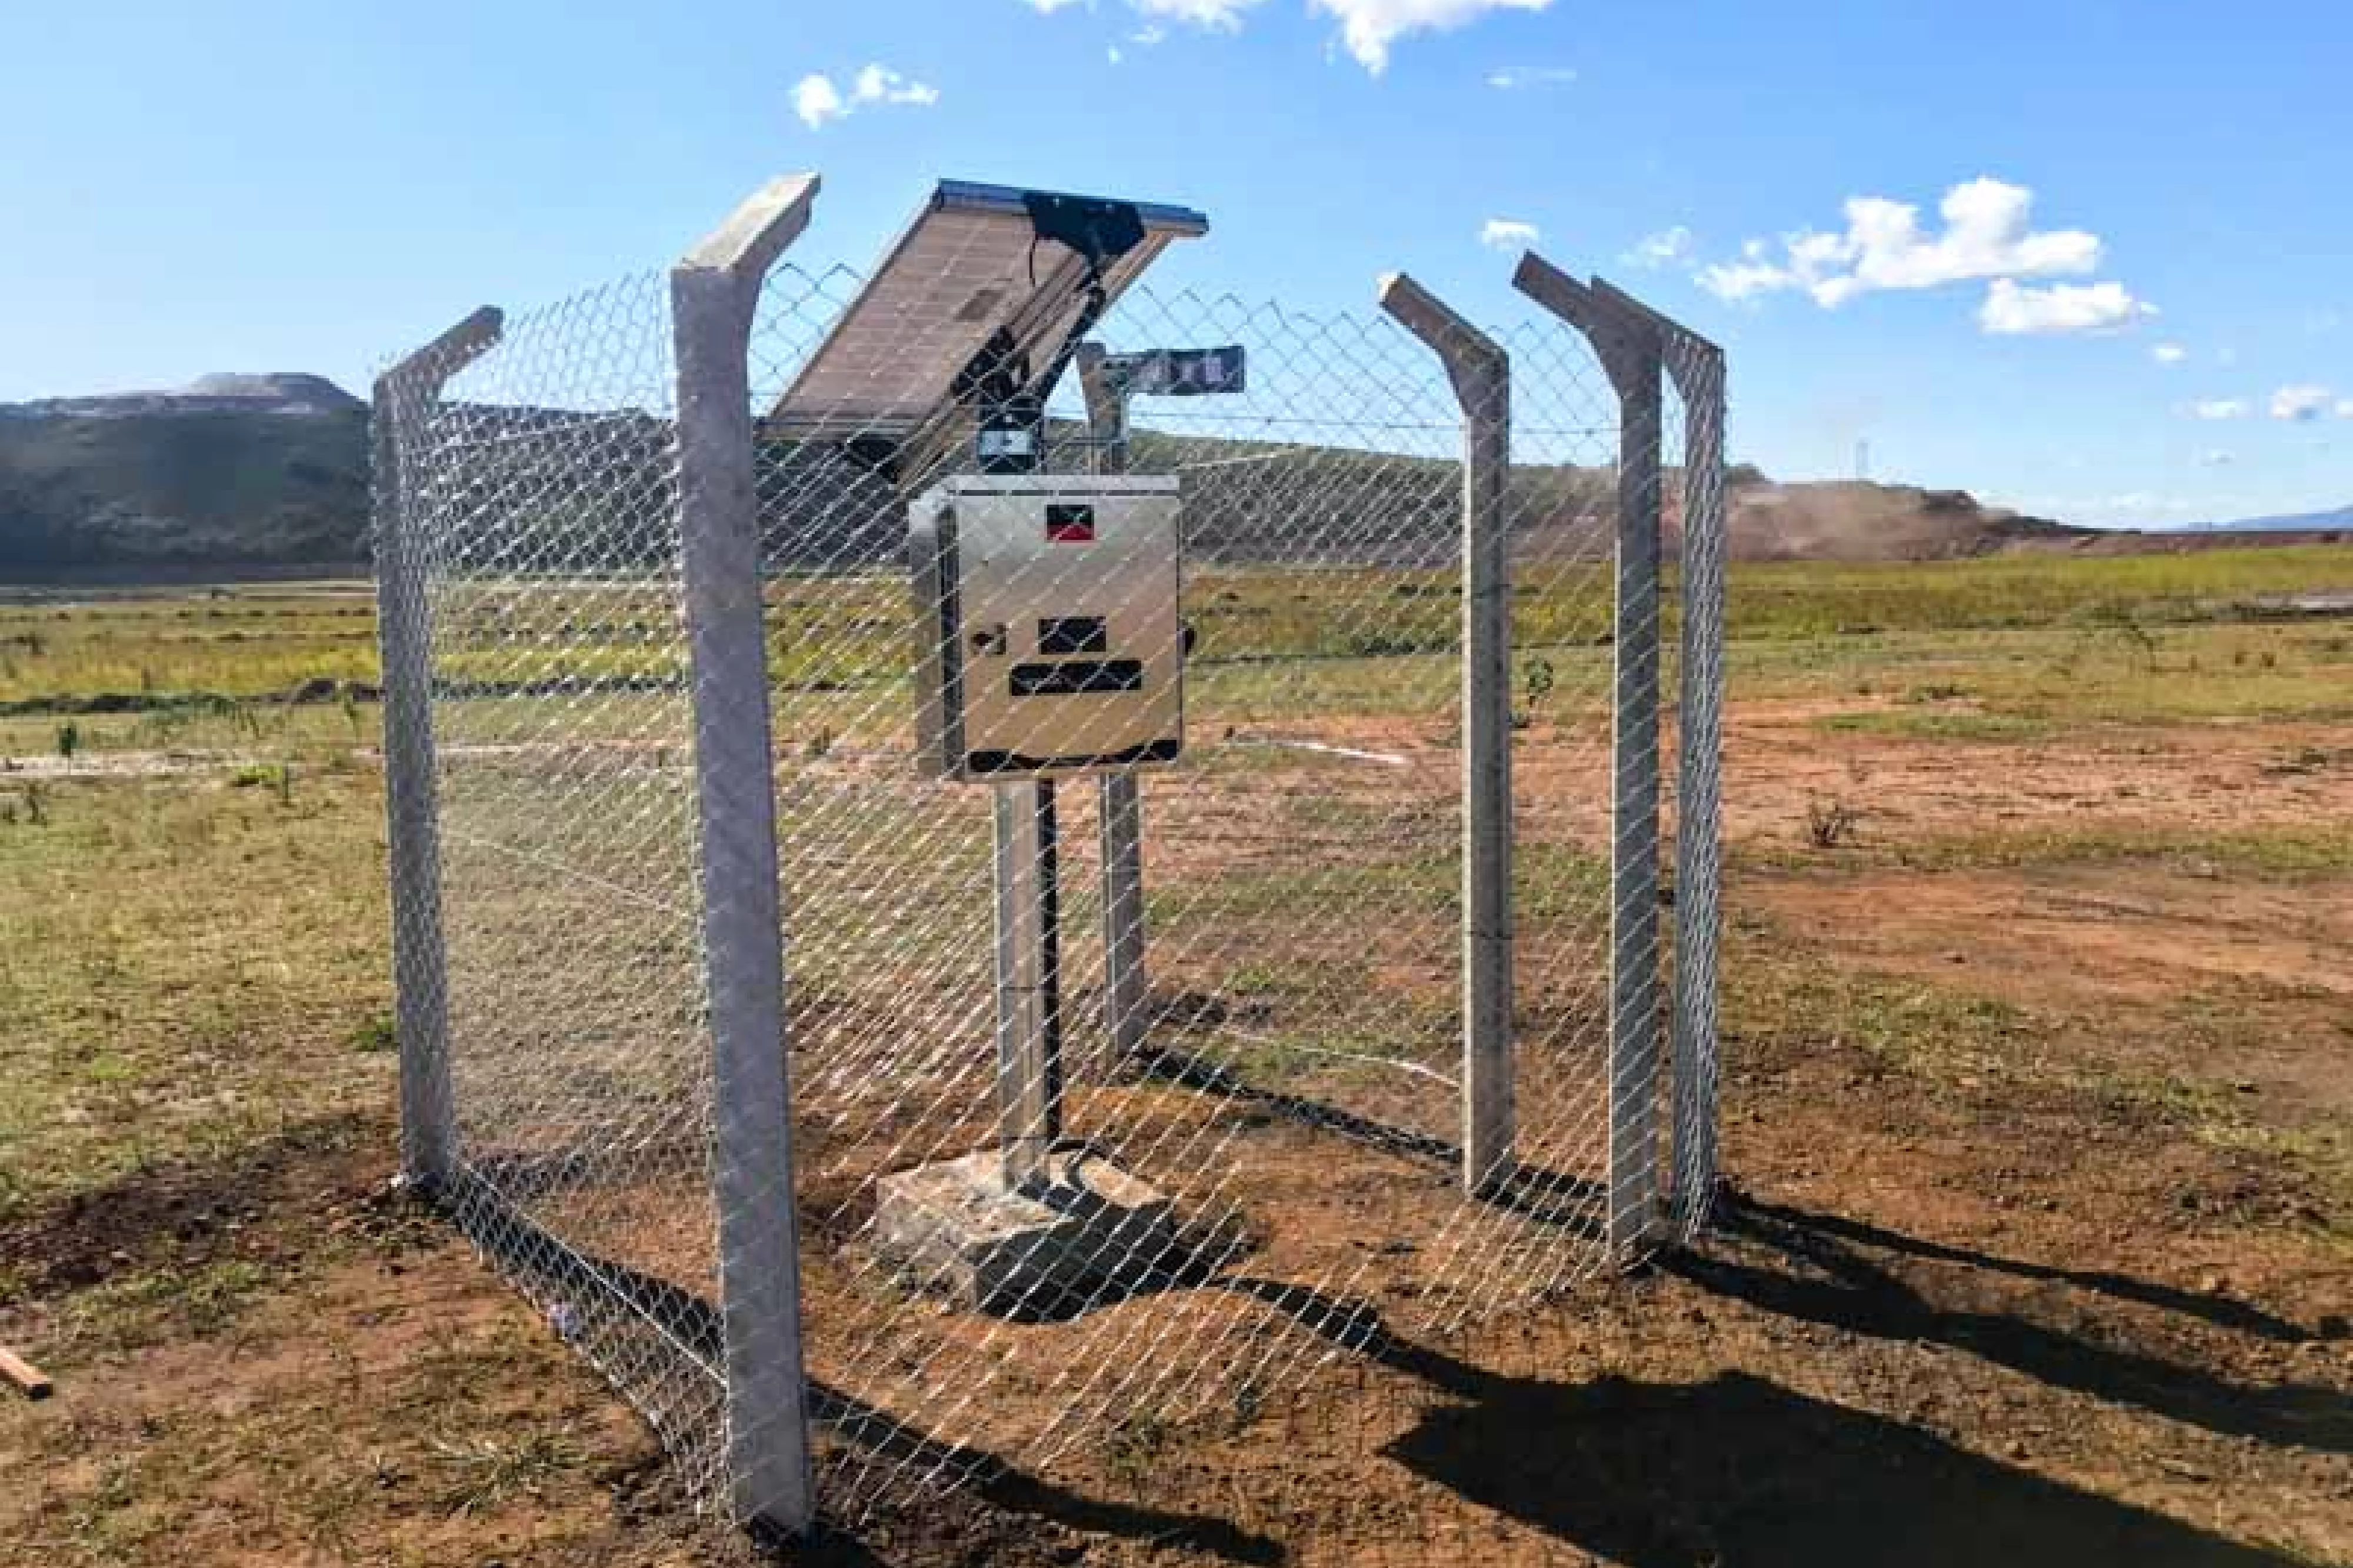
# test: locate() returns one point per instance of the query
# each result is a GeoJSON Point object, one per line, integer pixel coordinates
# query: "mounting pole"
{"type": "Point", "coordinates": [1029, 1078]}
{"type": "Point", "coordinates": [1120, 797]}
{"type": "Point", "coordinates": [1028, 980]}
{"type": "Point", "coordinates": [1481, 375]}
{"type": "Point", "coordinates": [715, 291]}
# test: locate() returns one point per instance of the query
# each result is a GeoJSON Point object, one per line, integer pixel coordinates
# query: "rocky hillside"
{"type": "Point", "coordinates": [253, 474]}
{"type": "Point", "coordinates": [231, 474]}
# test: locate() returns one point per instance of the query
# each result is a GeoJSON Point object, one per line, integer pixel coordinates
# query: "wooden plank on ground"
{"type": "Point", "coordinates": [29, 1379]}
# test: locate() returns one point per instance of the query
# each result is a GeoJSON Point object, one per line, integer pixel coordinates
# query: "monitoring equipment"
{"type": "Point", "coordinates": [1050, 626]}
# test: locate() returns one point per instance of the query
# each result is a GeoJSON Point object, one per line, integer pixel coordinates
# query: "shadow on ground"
{"type": "Point", "coordinates": [1737, 1470]}
{"type": "Point", "coordinates": [1838, 1272]}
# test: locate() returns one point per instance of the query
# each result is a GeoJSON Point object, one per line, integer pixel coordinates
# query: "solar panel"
{"type": "Point", "coordinates": [974, 264]}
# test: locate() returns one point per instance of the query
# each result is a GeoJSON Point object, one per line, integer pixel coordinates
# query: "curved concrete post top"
{"type": "Point", "coordinates": [1624, 336]}
{"type": "Point", "coordinates": [748, 242]}
{"type": "Point", "coordinates": [1688, 355]}
{"type": "Point", "coordinates": [430, 366]}
{"type": "Point", "coordinates": [1465, 351]}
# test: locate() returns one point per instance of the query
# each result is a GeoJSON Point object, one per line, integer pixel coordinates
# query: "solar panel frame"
{"type": "Point", "coordinates": [969, 264]}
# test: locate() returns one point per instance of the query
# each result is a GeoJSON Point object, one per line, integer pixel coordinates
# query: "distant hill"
{"type": "Point", "coordinates": [2296, 522]}
{"type": "Point", "coordinates": [266, 475]}
{"type": "Point", "coordinates": [1856, 520]}
{"type": "Point", "coordinates": [294, 393]}
{"type": "Point", "coordinates": [232, 474]}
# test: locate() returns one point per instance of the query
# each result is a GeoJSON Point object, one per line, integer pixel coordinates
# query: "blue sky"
{"type": "Point", "coordinates": [280, 185]}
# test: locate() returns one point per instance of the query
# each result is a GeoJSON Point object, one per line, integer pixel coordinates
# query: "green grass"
{"type": "Point", "coordinates": [183, 966]}
{"type": "Point", "coordinates": [1270, 643]}
{"type": "Point", "coordinates": [1779, 600]}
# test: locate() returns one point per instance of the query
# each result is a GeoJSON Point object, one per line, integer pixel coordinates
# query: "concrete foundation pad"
{"type": "Point", "coordinates": [1084, 1230]}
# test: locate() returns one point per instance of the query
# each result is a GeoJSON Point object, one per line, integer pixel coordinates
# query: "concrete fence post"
{"type": "Point", "coordinates": [714, 293]}
{"type": "Point", "coordinates": [400, 419]}
{"type": "Point", "coordinates": [1627, 346]}
{"type": "Point", "coordinates": [1695, 365]}
{"type": "Point", "coordinates": [1481, 373]}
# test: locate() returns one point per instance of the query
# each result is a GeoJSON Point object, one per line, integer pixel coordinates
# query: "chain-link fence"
{"type": "Point", "coordinates": [1358, 1017]}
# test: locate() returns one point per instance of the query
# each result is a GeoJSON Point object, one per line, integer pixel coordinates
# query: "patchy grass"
{"type": "Point", "coordinates": [182, 963]}
{"type": "Point", "coordinates": [1781, 999]}
{"type": "Point", "coordinates": [192, 970]}
{"type": "Point", "coordinates": [150, 1308]}
{"type": "Point", "coordinates": [2295, 851]}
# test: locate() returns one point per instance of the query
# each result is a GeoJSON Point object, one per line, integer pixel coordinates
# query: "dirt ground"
{"type": "Point", "coordinates": [2035, 1250]}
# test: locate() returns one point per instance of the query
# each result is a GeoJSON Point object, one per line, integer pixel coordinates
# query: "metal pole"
{"type": "Point", "coordinates": [1481, 377]}
{"type": "Point", "coordinates": [401, 418]}
{"type": "Point", "coordinates": [1029, 981]}
{"type": "Point", "coordinates": [1696, 367]}
{"type": "Point", "coordinates": [1628, 345]}
{"type": "Point", "coordinates": [715, 291]}
{"type": "Point", "coordinates": [1120, 797]}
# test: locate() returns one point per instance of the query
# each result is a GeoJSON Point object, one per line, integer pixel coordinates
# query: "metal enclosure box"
{"type": "Point", "coordinates": [1047, 608]}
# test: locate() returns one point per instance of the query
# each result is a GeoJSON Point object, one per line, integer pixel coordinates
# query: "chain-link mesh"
{"type": "Point", "coordinates": [540, 506]}
{"type": "Point", "coordinates": [1253, 1172]}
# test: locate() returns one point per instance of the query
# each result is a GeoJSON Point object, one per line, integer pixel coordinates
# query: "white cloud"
{"type": "Point", "coordinates": [881, 84]}
{"type": "Point", "coordinates": [817, 100]}
{"type": "Point", "coordinates": [1986, 233]}
{"type": "Point", "coordinates": [2168, 354]}
{"type": "Point", "coordinates": [1219, 15]}
{"type": "Point", "coordinates": [2218, 408]}
{"type": "Point", "coordinates": [1504, 233]}
{"type": "Point", "coordinates": [2216, 458]}
{"type": "Point", "coordinates": [1508, 79]}
{"type": "Point", "coordinates": [1668, 248]}
{"type": "Point", "coordinates": [1733, 282]}
{"type": "Point", "coordinates": [2299, 404]}
{"type": "Point", "coordinates": [2013, 309]}
{"type": "Point", "coordinates": [1112, 54]}
{"type": "Point", "coordinates": [2344, 408]}
{"type": "Point", "coordinates": [1368, 28]}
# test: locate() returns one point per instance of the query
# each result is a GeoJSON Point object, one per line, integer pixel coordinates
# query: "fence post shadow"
{"type": "Point", "coordinates": [1815, 1267]}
